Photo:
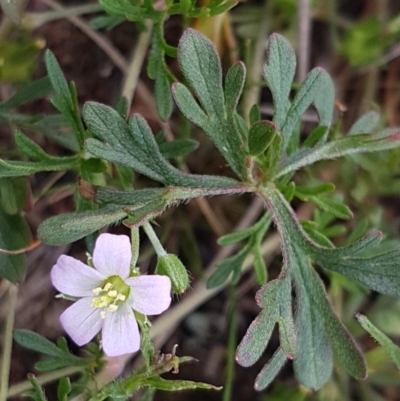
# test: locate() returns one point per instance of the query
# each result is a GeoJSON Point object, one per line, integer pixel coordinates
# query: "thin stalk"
{"type": "Point", "coordinates": [160, 251]}
{"type": "Point", "coordinates": [304, 30]}
{"type": "Point", "coordinates": [136, 63]}
{"type": "Point", "coordinates": [11, 302]}
{"type": "Point", "coordinates": [44, 379]}
{"type": "Point", "coordinates": [232, 343]}
{"type": "Point", "coordinates": [253, 89]}
{"type": "Point", "coordinates": [36, 19]}
{"type": "Point", "coordinates": [135, 241]}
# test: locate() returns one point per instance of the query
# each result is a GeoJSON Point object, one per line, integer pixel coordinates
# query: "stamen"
{"type": "Point", "coordinates": [121, 297]}
{"type": "Point", "coordinates": [107, 286]}
{"type": "Point", "coordinates": [112, 293]}
{"type": "Point", "coordinates": [112, 308]}
{"type": "Point", "coordinates": [103, 314]}
{"type": "Point", "coordinates": [97, 290]}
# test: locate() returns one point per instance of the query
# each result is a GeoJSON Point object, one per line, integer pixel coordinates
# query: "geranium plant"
{"type": "Point", "coordinates": [110, 293]}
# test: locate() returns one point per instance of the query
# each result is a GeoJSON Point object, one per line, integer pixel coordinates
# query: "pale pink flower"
{"type": "Point", "coordinates": [108, 295]}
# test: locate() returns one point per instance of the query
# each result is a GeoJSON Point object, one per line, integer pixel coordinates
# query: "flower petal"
{"type": "Point", "coordinates": [81, 321]}
{"type": "Point", "coordinates": [74, 278]}
{"type": "Point", "coordinates": [120, 334]}
{"type": "Point", "coordinates": [150, 295]}
{"type": "Point", "coordinates": [112, 255]}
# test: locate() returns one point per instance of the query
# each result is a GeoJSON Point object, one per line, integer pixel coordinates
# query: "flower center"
{"type": "Point", "coordinates": [110, 295]}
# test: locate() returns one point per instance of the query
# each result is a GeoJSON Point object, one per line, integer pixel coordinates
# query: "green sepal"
{"type": "Point", "coordinates": [170, 266]}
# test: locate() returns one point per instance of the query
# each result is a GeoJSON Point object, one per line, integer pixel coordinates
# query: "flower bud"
{"type": "Point", "coordinates": [172, 267]}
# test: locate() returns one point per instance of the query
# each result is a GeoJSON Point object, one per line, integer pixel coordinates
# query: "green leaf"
{"type": "Point", "coordinates": [177, 385]}
{"type": "Point", "coordinates": [287, 328]}
{"type": "Point", "coordinates": [201, 66]}
{"type": "Point", "coordinates": [64, 388]}
{"type": "Point", "coordinates": [260, 269]}
{"type": "Point", "coordinates": [233, 264]}
{"type": "Point", "coordinates": [304, 192]}
{"type": "Point", "coordinates": [28, 93]}
{"type": "Point", "coordinates": [124, 8]}
{"type": "Point", "coordinates": [237, 236]}
{"type": "Point", "coordinates": [279, 73]}
{"type": "Point", "coordinates": [15, 195]}
{"type": "Point", "coordinates": [134, 146]}
{"type": "Point", "coordinates": [324, 102]}
{"type": "Point", "coordinates": [37, 393]}
{"type": "Point", "coordinates": [162, 93]}
{"type": "Point", "coordinates": [317, 331]}
{"type": "Point", "coordinates": [14, 234]}
{"type": "Point", "coordinates": [36, 342]}
{"type": "Point", "coordinates": [65, 101]}
{"type": "Point", "coordinates": [259, 332]}
{"type": "Point", "coordinates": [314, 362]}
{"type": "Point", "coordinates": [316, 136]}
{"type": "Point", "coordinates": [255, 114]}
{"type": "Point", "coordinates": [10, 168]}
{"type": "Point", "coordinates": [188, 106]}
{"type": "Point", "coordinates": [309, 93]}
{"type": "Point", "coordinates": [70, 227]}
{"type": "Point", "coordinates": [392, 349]}
{"type": "Point", "coordinates": [234, 83]}
{"type": "Point", "coordinates": [379, 272]}
{"type": "Point", "coordinates": [261, 135]}
{"type": "Point", "coordinates": [30, 148]}
{"type": "Point", "coordinates": [337, 148]}
{"type": "Point", "coordinates": [178, 148]}
{"type": "Point", "coordinates": [366, 124]}
{"type": "Point", "coordinates": [270, 370]}
{"type": "Point", "coordinates": [339, 210]}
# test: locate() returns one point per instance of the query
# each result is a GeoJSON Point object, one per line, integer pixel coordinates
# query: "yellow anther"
{"type": "Point", "coordinates": [121, 297]}
{"type": "Point", "coordinates": [112, 293]}
{"type": "Point", "coordinates": [103, 314]}
{"type": "Point", "coordinates": [107, 286]}
{"type": "Point", "coordinates": [97, 290]}
{"type": "Point", "coordinates": [112, 308]}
